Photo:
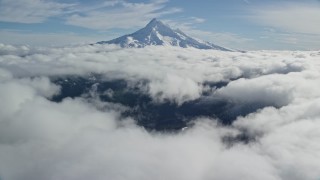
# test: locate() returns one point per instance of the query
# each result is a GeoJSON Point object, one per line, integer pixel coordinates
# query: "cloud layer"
{"type": "Point", "coordinates": [74, 139]}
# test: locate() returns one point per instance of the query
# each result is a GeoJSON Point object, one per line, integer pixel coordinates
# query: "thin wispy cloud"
{"type": "Point", "coordinates": [188, 25]}
{"type": "Point", "coordinates": [290, 17]}
{"type": "Point", "coordinates": [123, 15]}
{"type": "Point", "coordinates": [102, 16]}
{"type": "Point", "coordinates": [30, 11]}
{"type": "Point", "coordinates": [238, 26]}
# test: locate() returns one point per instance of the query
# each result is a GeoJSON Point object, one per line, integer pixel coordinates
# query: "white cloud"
{"type": "Point", "coordinates": [294, 25]}
{"type": "Point", "coordinates": [74, 139]}
{"type": "Point", "coordinates": [103, 16]}
{"type": "Point", "coordinates": [259, 90]}
{"type": "Point", "coordinates": [123, 15]}
{"type": "Point", "coordinates": [293, 17]}
{"type": "Point", "coordinates": [163, 72]}
{"type": "Point", "coordinates": [197, 19]}
{"type": "Point", "coordinates": [280, 40]}
{"type": "Point", "coordinates": [226, 39]}
{"type": "Point", "coordinates": [30, 11]}
{"type": "Point", "coordinates": [223, 38]}
{"type": "Point", "coordinates": [177, 88]}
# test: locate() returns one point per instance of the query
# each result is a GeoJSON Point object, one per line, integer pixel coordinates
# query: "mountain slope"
{"type": "Point", "coordinates": [157, 33]}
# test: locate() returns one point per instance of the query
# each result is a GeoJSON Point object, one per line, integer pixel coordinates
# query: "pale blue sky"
{"type": "Point", "coordinates": [241, 24]}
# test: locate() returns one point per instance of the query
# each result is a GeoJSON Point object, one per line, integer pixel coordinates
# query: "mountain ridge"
{"type": "Point", "coordinates": [157, 33]}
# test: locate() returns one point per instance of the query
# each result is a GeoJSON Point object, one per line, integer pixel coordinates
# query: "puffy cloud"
{"type": "Point", "coordinates": [288, 136]}
{"type": "Point", "coordinates": [275, 89]}
{"type": "Point", "coordinates": [77, 139]}
{"type": "Point", "coordinates": [176, 88]}
{"type": "Point", "coordinates": [162, 66]}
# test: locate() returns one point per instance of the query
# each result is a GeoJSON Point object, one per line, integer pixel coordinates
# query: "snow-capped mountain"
{"type": "Point", "coordinates": [157, 33]}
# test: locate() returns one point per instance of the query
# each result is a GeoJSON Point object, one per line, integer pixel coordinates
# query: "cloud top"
{"type": "Point", "coordinates": [75, 139]}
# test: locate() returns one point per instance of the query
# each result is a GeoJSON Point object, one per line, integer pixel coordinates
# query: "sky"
{"type": "Point", "coordinates": [239, 24]}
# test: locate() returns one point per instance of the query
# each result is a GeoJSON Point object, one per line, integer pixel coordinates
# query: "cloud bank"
{"type": "Point", "coordinates": [74, 139]}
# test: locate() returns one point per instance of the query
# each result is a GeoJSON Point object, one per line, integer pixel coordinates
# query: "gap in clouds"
{"type": "Point", "coordinates": [149, 113]}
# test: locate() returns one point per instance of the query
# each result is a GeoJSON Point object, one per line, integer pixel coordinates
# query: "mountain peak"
{"type": "Point", "coordinates": [157, 33]}
{"type": "Point", "coordinates": [153, 21]}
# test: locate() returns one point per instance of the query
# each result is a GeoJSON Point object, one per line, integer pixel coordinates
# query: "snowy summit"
{"type": "Point", "coordinates": [157, 33]}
